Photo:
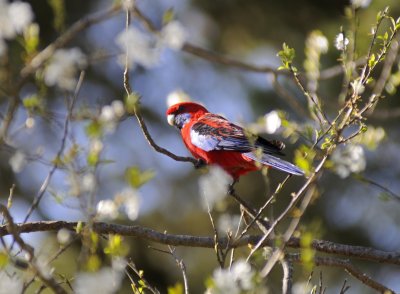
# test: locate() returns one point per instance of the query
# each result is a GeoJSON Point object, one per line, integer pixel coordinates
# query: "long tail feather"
{"type": "Point", "coordinates": [277, 163]}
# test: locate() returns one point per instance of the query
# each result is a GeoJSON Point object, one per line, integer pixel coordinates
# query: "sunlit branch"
{"type": "Point", "coordinates": [148, 234]}
{"type": "Point", "coordinates": [139, 116]}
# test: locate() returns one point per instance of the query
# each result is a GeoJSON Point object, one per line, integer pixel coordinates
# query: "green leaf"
{"type": "Point", "coordinates": [177, 289]}
{"type": "Point", "coordinates": [94, 129]}
{"type": "Point", "coordinates": [32, 102]}
{"type": "Point", "coordinates": [79, 227]}
{"type": "Point", "coordinates": [372, 61]}
{"type": "Point", "coordinates": [168, 16]}
{"type": "Point", "coordinates": [137, 178]}
{"type": "Point", "coordinates": [3, 259]}
{"type": "Point", "coordinates": [131, 102]}
{"type": "Point", "coordinates": [93, 263]}
{"type": "Point", "coordinates": [384, 196]}
{"type": "Point", "coordinates": [286, 55]}
{"type": "Point", "coordinates": [92, 158]}
{"type": "Point", "coordinates": [116, 246]}
{"type": "Point", "coordinates": [58, 7]}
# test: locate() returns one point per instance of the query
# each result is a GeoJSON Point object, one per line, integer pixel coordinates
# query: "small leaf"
{"type": "Point", "coordinates": [3, 260]}
{"type": "Point", "coordinates": [131, 102]}
{"type": "Point", "coordinates": [287, 55]}
{"type": "Point", "coordinates": [176, 289]}
{"type": "Point", "coordinates": [137, 178]}
{"type": "Point", "coordinates": [168, 16]}
{"type": "Point", "coordinates": [32, 102]}
{"type": "Point", "coordinates": [94, 129]}
{"type": "Point", "coordinates": [93, 263]}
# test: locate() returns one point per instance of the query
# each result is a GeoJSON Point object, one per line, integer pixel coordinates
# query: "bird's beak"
{"type": "Point", "coordinates": [171, 119]}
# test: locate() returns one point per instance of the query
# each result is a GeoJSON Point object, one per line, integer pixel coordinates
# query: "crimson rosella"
{"type": "Point", "coordinates": [215, 140]}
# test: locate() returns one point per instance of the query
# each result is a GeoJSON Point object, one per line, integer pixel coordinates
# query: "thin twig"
{"type": "Point", "coordinates": [182, 266]}
{"type": "Point", "coordinates": [349, 268]}
{"type": "Point", "coordinates": [278, 251]}
{"type": "Point", "coordinates": [138, 115]}
{"type": "Point", "coordinates": [13, 230]}
{"type": "Point", "coordinates": [46, 182]}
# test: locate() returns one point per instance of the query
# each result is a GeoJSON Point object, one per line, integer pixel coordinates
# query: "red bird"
{"type": "Point", "coordinates": [215, 140]}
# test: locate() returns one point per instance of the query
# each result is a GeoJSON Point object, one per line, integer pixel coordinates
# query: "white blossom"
{"type": "Point", "coordinates": [214, 185]}
{"type": "Point", "coordinates": [301, 288]}
{"type": "Point", "coordinates": [105, 281]}
{"type": "Point", "coordinates": [21, 15]}
{"type": "Point", "coordinates": [358, 87]}
{"type": "Point", "coordinates": [341, 42]}
{"type": "Point", "coordinates": [128, 4]}
{"type": "Point", "coordinates": [130, 201]}
{"type": "Point", "coordinates": [29, 122]}
{"type": "Point", "coordinates": [14, 18]}
{"type": "Point", "coordinates": [234, 280]}
{"type": "Point", "coordinates": [272, 122]}
{"type": "Point", "coordinates": [228, 223]}
{"type": "Point", "coordinates": [107, 210]}
{"type": "Point", "coordinates": [18, 161]}
{"type": "Point", "coordinates": [63, 236]}
{"type": "Point", "coordinates": [360, 3]}
{"type": "Point", "coordinates": [141, 48]}
{"type": "Point", "coordinates": [349, 159]}
{"type": "Point", "coordinates": [89, 182]}
{"type": "Point", "coordinates": [96, 146]}
{"type": "Point", "coordinates": [110, 115]}
{"type": "Point", "coordinates": [318, 42]}
{"type": "Point", "coordinates": [173, 35]}
{"type": "Point", "coordinates": [107, 114]}
{"type": "Point", "coordinates": [177, 96]}
{"type": "Point", "coordinates": [118, 108]}
{"type": "Point", "coordinates": [132, 208]}
{"type": "Point", "coordinates": [63, 68]}
{"type": "Point", "coordinates": [10, 283]}
{"type": "Point", "coordinates": [7, 30]}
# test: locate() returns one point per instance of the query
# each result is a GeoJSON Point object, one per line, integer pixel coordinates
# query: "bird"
{"type": "Point", "coordinates": [214, 140]}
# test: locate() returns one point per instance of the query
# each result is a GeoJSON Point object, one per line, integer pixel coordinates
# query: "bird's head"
{"type": "Point", "coordinates": [181, 113]}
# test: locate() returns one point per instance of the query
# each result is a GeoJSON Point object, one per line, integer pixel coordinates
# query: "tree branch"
{"type": "Point", "coordinates": [360, 252]}
{"type": "Point", "coordinates": [348, 267]}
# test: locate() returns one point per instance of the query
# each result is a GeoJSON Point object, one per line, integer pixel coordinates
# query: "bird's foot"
{"type": "Point", "coordinates": [200, 163]}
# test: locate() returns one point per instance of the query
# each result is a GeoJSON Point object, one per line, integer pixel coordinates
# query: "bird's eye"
{"type": "Point", "coordinates": [181, 108]}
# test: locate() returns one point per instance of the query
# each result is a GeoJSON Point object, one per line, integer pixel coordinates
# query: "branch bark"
{"type": "Point", "coordinates": [323, 246]}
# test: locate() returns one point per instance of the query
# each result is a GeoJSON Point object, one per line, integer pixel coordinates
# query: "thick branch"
{"type": "Point", "coordinates": [207, 242]}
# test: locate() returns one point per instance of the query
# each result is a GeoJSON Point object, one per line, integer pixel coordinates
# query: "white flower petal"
{"type": "Point", "coordinates": [10, 283]}
{"type": "Point", "coordinates": [18, 161]}
{"type": "Point", "coordinates": [63, 68]}
{"type": "Point", "coordinates": [105, 281]}
{"type": "Point", "coordinates": [173, 35]}
{"type": "Point", "coordinates": [21, 15]}
{"type": "Point", "coordinates": [214, 185]}
{"type": "Point", "coordinates": [272, 122]}
{"type": "Point", "coordinates": [107, 209]}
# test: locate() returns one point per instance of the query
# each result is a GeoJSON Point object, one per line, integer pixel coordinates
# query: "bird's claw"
{"type": "Point", "coordinates": [200, 163]}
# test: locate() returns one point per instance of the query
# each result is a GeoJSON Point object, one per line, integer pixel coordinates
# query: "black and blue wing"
{"type": "Point", "coordinates": [213, 132]}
